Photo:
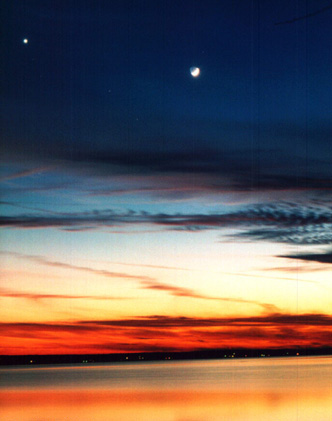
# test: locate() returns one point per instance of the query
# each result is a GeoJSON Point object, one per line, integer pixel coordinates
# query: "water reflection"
{"type": "Point", "coordinates": [193, 405]}
{"type": "Point", "coordinates": [276, 389]}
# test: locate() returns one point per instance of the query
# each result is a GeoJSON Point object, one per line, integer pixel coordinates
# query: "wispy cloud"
{"type": "Point", "coordinates": [296, 269]}
{"type": "Point", "coordinates": [31, 208]}
{"type": "Point", "coordinates": [237, 274]}
{"type": "Point", "coordinates": [323, 257]}
{"type": "Point", "coordinates": [62, 265]}
{"type": "Point", "coordinates": [145, 282]}
{"type": "Point", "coordinates": [25, 173]}
{"type": "Point", "coordinates": [306, 16]}
{"type": "Point", "coordinates": [215, 168]}
{"type": "Point", "coordinates": [40, 296]}
{"type": "Point", "coordinates": [227, 168]}
{"type": "Point", "coordinates": [189, 293]}
{"type": "Point", "coordinates": [279, 222]}
{"type": "Point", "coordinates": [280, 319]}
{"type": "Point", "coordinates": [151, 266]}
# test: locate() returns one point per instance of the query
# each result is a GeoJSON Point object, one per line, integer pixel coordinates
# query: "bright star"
{"type": "Point", "coordinates": [25, 41]}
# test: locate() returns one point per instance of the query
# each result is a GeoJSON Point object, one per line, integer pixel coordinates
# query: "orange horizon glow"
{"type": "Point", "coordinates": [168, 334]}
{"type": "Point", "coordinates": [96, 307]}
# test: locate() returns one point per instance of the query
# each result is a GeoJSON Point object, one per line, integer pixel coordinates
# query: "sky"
{"type": "Point", "coordinates": [144, 209]}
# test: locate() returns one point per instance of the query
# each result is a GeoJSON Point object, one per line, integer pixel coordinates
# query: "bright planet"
{"type": "Point", "coordinates": [194, 71]}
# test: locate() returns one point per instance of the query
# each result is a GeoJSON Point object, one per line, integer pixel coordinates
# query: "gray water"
{"type": "Point", "coordinates": [296, 388]}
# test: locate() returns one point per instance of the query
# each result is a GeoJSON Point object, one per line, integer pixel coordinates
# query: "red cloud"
{"type": "Point", "coordinates": [162, 333]}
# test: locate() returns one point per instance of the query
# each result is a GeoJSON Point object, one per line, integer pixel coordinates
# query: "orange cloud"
{"type": "Point", "coordinates": [39, 296]}
{"type": "Point", "coordinates": [145, 282]}
{"type": "Point", "coordinates": [162, 333]}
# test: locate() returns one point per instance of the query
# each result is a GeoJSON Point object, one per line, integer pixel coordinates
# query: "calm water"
{"type": "Point", "coordinates": [249, 389]}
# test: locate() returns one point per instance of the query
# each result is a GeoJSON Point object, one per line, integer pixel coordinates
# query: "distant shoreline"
{"type": "Point", "coordinates": [8, 360]}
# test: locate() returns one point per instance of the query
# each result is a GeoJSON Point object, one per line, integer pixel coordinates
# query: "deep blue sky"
{"type": "Point", "coordinates": [103, 81]}
{"type": "Point", "coordinates": [103, 89]}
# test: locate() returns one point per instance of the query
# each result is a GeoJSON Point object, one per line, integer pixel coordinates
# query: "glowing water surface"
{"type": "Point", "coordinates": [247, 389]}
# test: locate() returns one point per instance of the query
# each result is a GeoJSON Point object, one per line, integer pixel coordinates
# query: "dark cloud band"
{"type": "Point", "coordinates": [312, 257]}
{"type": "Point", "coordinates": [284, 222]}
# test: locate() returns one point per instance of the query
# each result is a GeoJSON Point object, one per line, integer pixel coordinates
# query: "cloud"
{"type": "Point", "coordinates": [40, 210]}
{"type": "Point", "coordinates": [284, 222]}
{"type": "Point", "coordinates": [158, 322]}
{"type": "Point", "coordinates": [296, 269]}
{"type": "Point", "coordinates": [155, 190]}
{"type": "Point", "coordinates": [189, 293]}
{"type": "Point", "coordinates": [237, 274]}
{"type": "Point", "coordinates": [306, 16]}
{"type": "Point", "coordinates": [25, 173]}
{"type": "Point", "coordinates": [145, 282]}
{"type": "Point", "coordinates": [162, 333]}
{"type": "Point", "coordinates": [288, 223]}
{"type": "Point", "coordinates": [280, 319]}
{"type": "Point", "coordinates": [61, 265]}
{"type": "Point", "coordinates": [38, 296]}
{"type": "Point", "coordinates": [299, 235]}
{"type": "Point", "coordinates": [215, 170]}
{"type": "Point", "coordinates": [151, 266]}
{"type": "Point", "coordinates": [324, 257]}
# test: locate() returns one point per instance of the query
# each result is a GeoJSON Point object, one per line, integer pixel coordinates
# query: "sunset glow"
{"type": "Point", "coordinates": [144, 209]}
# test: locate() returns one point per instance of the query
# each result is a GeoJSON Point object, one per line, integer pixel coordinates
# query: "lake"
{"type": "Point", "coordinates": [294, 388]}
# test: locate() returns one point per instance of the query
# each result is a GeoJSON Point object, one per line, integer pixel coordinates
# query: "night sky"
{"type": "Point", "coordinates": [145, 209]}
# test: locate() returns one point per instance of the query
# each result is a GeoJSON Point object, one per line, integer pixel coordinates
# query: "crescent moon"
{"type": "Point", "coordinates": [194, 71]}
